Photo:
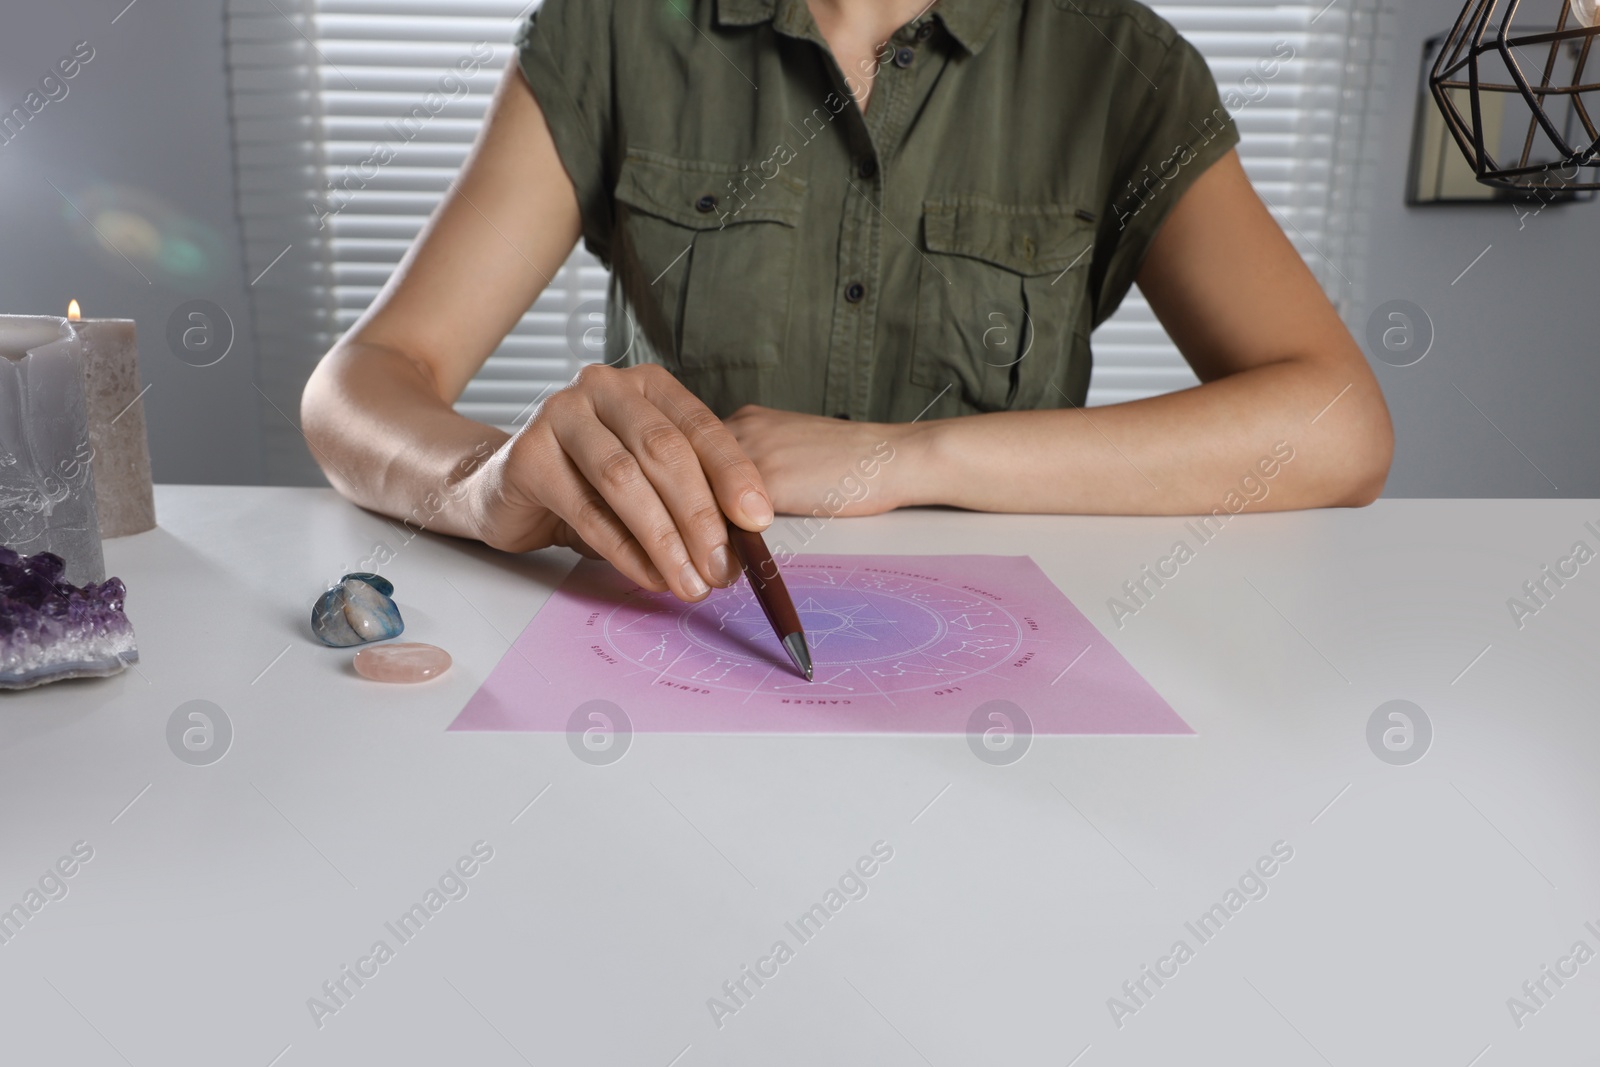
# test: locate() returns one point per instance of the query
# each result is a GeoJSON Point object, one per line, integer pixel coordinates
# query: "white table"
{"type": "Point", "coordinates": [1019, 898]}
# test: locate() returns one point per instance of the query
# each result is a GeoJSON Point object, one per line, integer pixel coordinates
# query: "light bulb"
{"type": "Point", "coordinates": [1586, 12]}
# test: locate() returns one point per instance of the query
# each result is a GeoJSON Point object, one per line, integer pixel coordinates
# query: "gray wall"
{"type": "Point", "coordinates": [149, 115]}
{"type": "Point", "coordinates": [1514, 336]}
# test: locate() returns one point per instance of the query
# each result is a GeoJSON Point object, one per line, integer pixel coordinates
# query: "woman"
{"type": "Point", "coordinates": [845, 232]}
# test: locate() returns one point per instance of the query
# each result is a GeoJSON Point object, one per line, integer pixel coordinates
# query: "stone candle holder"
{"type": "Point", "coordinates": [47, 491]}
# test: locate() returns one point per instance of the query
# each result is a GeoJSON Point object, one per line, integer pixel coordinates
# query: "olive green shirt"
{"type": "Point", "coordinates": [947, 253]}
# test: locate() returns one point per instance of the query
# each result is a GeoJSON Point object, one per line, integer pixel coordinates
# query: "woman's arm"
{"type": "Point", "coordinates": [1275, 362]}
{"type": "Point", "coordinates": [625, 464]}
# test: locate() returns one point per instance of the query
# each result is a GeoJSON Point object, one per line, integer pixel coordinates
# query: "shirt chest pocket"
{"type": "Point", "coordinates": [712, 250]}
{"type": "Point", "coordinates": [1002, 305]}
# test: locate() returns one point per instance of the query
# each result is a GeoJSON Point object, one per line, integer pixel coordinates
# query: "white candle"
{"type": "Point", "coordinates": [47, 497]}
{"type": "Point", "coordinates": [124, 495]}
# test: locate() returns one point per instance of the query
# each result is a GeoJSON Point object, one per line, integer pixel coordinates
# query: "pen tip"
{"type": "Point", "coordinates": [795, 645]}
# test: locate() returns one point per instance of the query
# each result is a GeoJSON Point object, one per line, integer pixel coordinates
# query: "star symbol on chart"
{"type": "Point", "coordinates": [850, 623]}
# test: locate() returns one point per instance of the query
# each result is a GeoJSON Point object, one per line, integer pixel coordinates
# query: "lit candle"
{"type": "Point", "coordinates": [123, 492]}
{"type": "Point", "coordinates": [47, 493]}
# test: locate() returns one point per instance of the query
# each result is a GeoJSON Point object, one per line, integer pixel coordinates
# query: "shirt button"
{"type": "Point", "coordinates": [868, 169]}
{"type": "Point", "coordinates": [706, 204]}
{"type": "Point", "coordinates": [854, 292]}
{"type": "Point", "coordinates": [905, 57]}
{"type": "Point", "coordinates": [924, 31]}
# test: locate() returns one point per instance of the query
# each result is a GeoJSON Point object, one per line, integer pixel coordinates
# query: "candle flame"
{"type": "Point", "coordinates": [74, 313]}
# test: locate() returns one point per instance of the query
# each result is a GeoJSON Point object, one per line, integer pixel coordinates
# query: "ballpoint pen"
{"type": "Point", "coordinates": [771, 594]}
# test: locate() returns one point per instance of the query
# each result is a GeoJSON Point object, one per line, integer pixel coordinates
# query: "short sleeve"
{"type": "Point", "coordinates": [564, 48]}
{"type": "Point", "coordinates": [1176, 132]}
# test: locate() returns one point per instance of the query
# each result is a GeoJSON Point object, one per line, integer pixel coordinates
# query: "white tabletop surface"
{"type": "Point", "coordinates": [1019, 898]}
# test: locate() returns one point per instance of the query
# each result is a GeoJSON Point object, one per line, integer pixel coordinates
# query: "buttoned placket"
{"type": "Point", "coordinates": [903, 78]}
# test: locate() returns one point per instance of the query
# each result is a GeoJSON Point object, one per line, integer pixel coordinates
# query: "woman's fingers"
{"type": "Point", "coordinates": [639, 471]}
{"type": "Point", "coordinates": [739, 490]}
{"type": "Point", "coordinates": [616, 474]}
{"type": "Point", "coordinates": [567, 537]}
{"type": "Point", "coordinates": [580, 517]}
{"type": "Point", "coordinates": [673, 467]}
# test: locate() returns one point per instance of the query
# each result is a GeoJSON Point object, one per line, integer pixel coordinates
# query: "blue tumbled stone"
{"type": "Point", "coordinates": [356, 612]}
{"type": "Point", "coordinates": [377, 581]}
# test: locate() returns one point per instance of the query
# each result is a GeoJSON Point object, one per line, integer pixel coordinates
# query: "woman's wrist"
{"type": "Point", "coordinates": [478, 497]}
{"type": "Point", "coordinates": [916, 476]}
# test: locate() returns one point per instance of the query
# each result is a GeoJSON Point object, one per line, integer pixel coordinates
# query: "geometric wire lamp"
{"type": "Point", "coordinates": [1523, 103]}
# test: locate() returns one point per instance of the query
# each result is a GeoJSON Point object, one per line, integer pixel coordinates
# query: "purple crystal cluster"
{"type": "Point", "coordinates": [51, 629]}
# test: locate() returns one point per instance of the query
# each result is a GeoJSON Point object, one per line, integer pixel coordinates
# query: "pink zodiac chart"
{"type": "Point", "coordinates": [900, 644]}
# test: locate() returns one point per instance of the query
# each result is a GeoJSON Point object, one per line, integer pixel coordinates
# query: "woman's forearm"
{"type": "Point", "coordinates": [386, 439]}
{"type": "Point", "coordinates": [1182, 453]}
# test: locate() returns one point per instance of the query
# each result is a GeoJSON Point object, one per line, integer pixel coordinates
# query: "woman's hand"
{"type": "Point", "coordinates": [626, 465]}
{"type": "Point", "coordinates": [811, 462]}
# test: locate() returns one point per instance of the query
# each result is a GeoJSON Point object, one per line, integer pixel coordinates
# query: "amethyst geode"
{"type": "Point", "coordinates": [51, 629]}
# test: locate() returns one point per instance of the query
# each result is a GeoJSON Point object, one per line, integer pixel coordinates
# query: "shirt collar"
{"type": "Point", "coordinates": [970, 22]}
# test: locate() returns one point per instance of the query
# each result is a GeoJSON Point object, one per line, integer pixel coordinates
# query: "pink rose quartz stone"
{"type": "Point", "coordinates": [405, 662]}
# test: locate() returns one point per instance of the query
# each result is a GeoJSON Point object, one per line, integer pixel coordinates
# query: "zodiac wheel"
{"type": "Point", "coordinates": [871, 631]}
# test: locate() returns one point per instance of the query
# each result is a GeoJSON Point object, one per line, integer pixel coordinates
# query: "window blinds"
{"type": "Point", "coordinates": [352, 116]}
{"type": "Point", "coordinates": [1300, 81]}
